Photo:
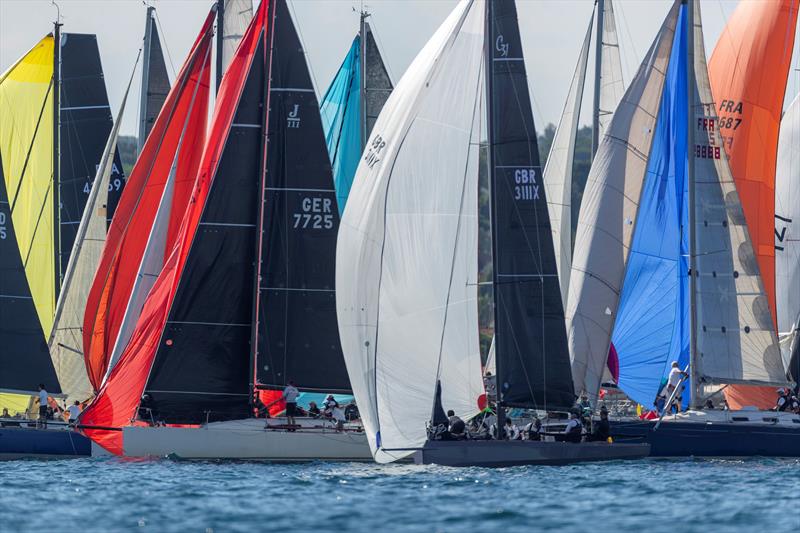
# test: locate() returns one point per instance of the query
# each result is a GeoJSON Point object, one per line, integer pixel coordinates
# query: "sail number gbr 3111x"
{"type": "Point", "coordinates": [526, 186]}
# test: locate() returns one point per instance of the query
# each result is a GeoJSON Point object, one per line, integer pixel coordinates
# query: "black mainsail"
{"type": "Point", "coordinates": [377, 85]}
{"type": "Point", "coordinates": [532, 357]}
{"type": "Point", "coordinates": [155, 80]}
{"type": "Point", "coordinates": [296, 333]}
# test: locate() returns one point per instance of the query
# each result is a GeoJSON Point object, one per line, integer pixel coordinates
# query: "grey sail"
{"type": "Point", "coordinates": [155, 80]}
{"type": "Point", "coordinates": [377, 83]}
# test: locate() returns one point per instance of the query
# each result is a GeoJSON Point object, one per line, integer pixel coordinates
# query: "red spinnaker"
{"type": "Point", "coordinates": [117, 401]}
{"type": "Point", "coordinates": [185, 111]}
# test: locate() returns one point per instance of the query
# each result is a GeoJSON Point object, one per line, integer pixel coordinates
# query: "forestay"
{"type": "Point", "coordinates": [406, 292]}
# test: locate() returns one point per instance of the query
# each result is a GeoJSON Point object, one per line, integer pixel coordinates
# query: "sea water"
{"type": "Point", "coordinates": [109, 494]}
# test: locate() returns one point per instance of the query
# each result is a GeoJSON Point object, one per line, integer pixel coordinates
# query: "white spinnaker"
{"type": "Point", "coordinates": [608, 210]}
{"type": "Point", "coordinates": [787, 228]}
{"type": "Point", "coordinates": [558, 170]}
{"type": "Point", "coordinates": [66, 338]}
{"type": "Point", "coordinates": [612, 85]}
{"type": "Point", "coordinates": [735, 338]}
{"type": "Point", "coordinates": [399, 241]}
{"type": "Point", "coordinates": [235, 21]}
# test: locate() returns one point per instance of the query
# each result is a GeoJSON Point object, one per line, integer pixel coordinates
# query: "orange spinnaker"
{"type": "Point", "coordinates": [748, 70]}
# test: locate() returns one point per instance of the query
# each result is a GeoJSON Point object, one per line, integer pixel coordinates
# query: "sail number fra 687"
{"type": "Point", "coordinates": [525, 186]}
{"type": "Point", "coordinates": [315, 213]}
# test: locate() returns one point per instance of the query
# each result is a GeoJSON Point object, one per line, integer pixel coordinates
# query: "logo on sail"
{"type": "Point", "coordinates": [293, 119]}
{"type": "Point", "coordinates": [501, 46]}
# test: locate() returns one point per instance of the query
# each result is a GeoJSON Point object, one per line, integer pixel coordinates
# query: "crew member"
{"type": "Point", "coordinates": [74, 410]}
{"type": "Point", "coordinates": [455, 425]}
{"type": "Point", "coordinates": [574, 429]}
{"type": "Point", "coordinates": [673, 382]}
{"type": "Point", "coordinates": [42, 406]}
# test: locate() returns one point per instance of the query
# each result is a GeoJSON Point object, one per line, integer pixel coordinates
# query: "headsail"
{"type": "Point", "coordinates": [401, 258]}
{"type": "Point", "coordinates": [608, 211]}
{"type": "Point", "coordinates": [612, 85]}
{"type": "Point", "coordinates": [351, 106]}
{"type": "Point", "coordinates": [558, 170]}
{"type": "Point", "coordinates": [185, 110]}
{"type": "Point", "coordinates": [787, 238]}
{"type": "Point", "coordinates": [66, 341]}
{"type": "Point", "coordinates": [236, 19]}
{"type": "Point", "coordinates": [749, 70]}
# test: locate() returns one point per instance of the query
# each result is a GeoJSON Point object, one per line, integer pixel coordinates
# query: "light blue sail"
{"type": "Point", "coordinates": [341, 119]}
{"type": "Point", "coordinates": [652, 326]}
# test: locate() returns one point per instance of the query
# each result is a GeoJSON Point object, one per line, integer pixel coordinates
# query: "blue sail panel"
{"type": "Point", "coordinates": [652, 326]}
{"type": "Point", "coordinates": [341, 120]}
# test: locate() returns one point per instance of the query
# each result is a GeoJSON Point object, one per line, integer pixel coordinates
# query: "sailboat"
{"type": "Point", "coordinates": [787, 238]}
{"type": "Point", "coordinates": [55, 110]}
{"type": "Point", "coordinates": [351, 106]}
{"type": "Point", "coordinates": [245, 298]}
{"type": "Point", "coordinates": [665, 266]}
{"type": "Point", "coordinates": [406, 263]}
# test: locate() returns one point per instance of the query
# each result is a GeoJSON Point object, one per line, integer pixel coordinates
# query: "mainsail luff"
{"type": "Point", "coordinates": [787, 238]}
{"type": "Point", "coordinates": [611, 85]}
{"type": "Point", "coordinates": [155, 80]}
{"type": "Point", "coordinates": [236, 16]}
{"type": "Point", "coordinates": [377, 85]}
{"type": "Point", "coordinates": [607, 215]}
{"type": "Point", "coordinates": [531, 345]}
{"type": "Point", "coordinates": [558, 169]}
{"type": "Point", "coordinates": [66, 342]}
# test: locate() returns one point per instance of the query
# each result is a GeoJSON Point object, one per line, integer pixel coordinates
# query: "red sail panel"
{"type": "Point", "coordinates": [117, 401]}
{"type": "Point", "coordinates": [184, 113]}
{"type": "Point", "coordinates": [748, 71]}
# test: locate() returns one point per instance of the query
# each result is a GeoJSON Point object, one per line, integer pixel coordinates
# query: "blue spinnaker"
{"type": "Point", "coordinates": [341, 119]}
{"type": "Point", "coordinates": [652, 326]}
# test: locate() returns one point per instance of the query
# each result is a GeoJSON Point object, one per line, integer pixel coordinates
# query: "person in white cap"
{"type": "Point", "coordinates": [673, 381]}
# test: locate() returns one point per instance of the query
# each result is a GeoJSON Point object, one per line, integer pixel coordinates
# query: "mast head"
{"type": "Point", "coordinates": [59, 18]}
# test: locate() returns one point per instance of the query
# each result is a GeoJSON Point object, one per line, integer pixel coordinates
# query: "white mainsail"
{"type": "Point", "coordinates": [66, 338]}
{"type": "Point", "coordinates": [558, 169]}
{"type": "Point", "coordinates": [787, 229]}
{"type": "Point", "coordinates": [612, 85]}
{"type": "Point", "coordinates": [406, 293]}
{"type": "Point", "coordinates": [735, 338]}
{"type": "Point", "coordinates": [608, 211]}
{"type": "Point", "coordinates": [238, 14]}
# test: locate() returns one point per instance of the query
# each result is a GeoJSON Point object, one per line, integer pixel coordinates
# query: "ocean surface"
{"type": "Point", "coordinates": [109, 494]}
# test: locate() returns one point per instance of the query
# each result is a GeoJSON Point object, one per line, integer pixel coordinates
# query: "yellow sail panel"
{"type": "Point", "coordinates": [17, 404]}
{"type": "Point", "coordinates": [26, 149]}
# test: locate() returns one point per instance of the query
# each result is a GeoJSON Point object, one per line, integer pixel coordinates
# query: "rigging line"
{"type": "Point", "coordinates": [30, 147]}
{"type": "Point", "coordinates": [290, 3]}
{"type": "Point", "coordinates": [624, 24]}
{"type": "Point", "coordinates": [36, 227]}
{"type": "Point", "coordinates": [376, 35]}
{"type": "Point", "coordinates": [164, 45]}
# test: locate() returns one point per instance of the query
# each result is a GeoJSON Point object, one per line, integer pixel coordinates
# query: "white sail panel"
{"type": "Point", "coordinates": [735, 337]}
{"type": "Point", "coordinates": [608, 211]}
{"type": "Point", "coordinates": [66, 339]}
{"type": "Point", "coordinates": [237, 16]}
{"type": "Point", "coordinates": [401, 235]}
{"type": "Point", "coordinates": [612, 86]}
{"type": "Point", "coordinates": [787, 228]}
{"type": "Point", "coordinates": [558, 169]}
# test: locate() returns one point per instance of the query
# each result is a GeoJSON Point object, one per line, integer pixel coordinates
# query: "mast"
{"type": "Point", "coordinates": [691, 83]}
{"type": "Point", "coordinates": [220, 41]}
{"type": "Point", "coordinates": [269, 43]}
{"type": "Point", "coordinates": [487, 40]}
{"type": "Point", "coordinates": [57, 149]}
{"type": "Point", "coordinates": [362, 58]}
{"type": "Point", "coordinates": [598, 63]}
{"type": "Point", "coordinates": [145, 80]}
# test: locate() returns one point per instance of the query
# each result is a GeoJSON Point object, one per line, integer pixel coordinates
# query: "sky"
{"type": "Point", "coordinates": [552, 33]}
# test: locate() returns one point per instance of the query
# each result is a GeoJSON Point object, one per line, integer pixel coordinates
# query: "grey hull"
{"type": "Point", "coordinates": [490, 453]}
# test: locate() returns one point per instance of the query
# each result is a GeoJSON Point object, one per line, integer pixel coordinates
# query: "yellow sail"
{"type": "Point", "coordinates": [16, 404]}
{"type": "Point", "coordinates": [26, 150]}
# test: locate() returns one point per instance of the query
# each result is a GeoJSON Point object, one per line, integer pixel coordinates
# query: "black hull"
{"type": "Point", "coordinates": [731, 439]}
{"type": "Point", "coordinates": [498, 454]}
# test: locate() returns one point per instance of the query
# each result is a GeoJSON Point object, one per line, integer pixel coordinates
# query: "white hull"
{"type": "Point", "coordinates": [248, 439]}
